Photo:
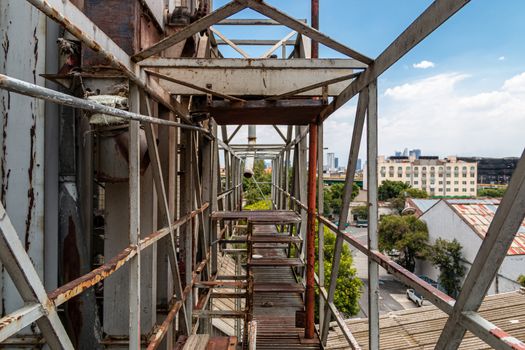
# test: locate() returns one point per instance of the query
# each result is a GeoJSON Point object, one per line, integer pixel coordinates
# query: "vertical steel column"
{"type": "Point", "coordinates": [134, 223]}
{"type": "Point", "coordinates": [213, 195]}
{"type": "Point", "coordinates": [320, 209]}
{"type": "Point", "coordinates": [373, 267]}
{"type": "Point", "coordinates": [315, 25]}
{"type": "Point", "coordinates": [310, 240]}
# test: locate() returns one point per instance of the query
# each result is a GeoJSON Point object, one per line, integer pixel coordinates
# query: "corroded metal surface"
{"type": "Point", "coordinates": [259, 216]}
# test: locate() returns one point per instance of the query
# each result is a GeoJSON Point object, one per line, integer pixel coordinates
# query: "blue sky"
{"type": "Point", "coordinates": [467, 97]}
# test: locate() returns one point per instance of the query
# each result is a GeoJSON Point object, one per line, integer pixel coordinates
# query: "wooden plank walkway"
{"type": "Point", "coordinates": [277, 298]}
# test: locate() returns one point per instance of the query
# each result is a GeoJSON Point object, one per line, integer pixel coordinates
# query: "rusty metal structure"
{"type": "Point", "coordinates": [114, 214]}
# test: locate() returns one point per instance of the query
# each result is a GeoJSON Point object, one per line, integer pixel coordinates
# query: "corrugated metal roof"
{"type": "Point", "coordinates": [478, 214]}
{"type": "Point", "coordinates": [420, 328]}
{"type": "Point", "coordinates": [424, 204]}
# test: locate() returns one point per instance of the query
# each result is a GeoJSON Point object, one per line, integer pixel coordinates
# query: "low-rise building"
{"type": "Point", "coordinates": [448, 177]}
{"type": "Point", "coordinates": [467, 221]}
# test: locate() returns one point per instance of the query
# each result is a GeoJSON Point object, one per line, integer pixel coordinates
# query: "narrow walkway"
{"type": "Point", "coordinates": [277, 295]}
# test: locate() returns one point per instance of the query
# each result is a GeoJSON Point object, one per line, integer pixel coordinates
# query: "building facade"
{"type": "Point", "coordinates": [493, 171]}
{"type": "Point", "coordinates": [447, 177]}
{"type": "Point", "coordinates": [468, 221]}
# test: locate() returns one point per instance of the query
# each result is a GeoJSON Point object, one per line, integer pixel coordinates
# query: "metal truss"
{"type": "Point", "coordinates": [189, 234]}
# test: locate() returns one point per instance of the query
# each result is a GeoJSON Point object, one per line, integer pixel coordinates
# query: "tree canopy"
{"type": "Point", "coordinates": [403, 235]}
{"type": "Point", "coordinates": [251, 192]}
{"type": "Point", "coordinates": [348, 290]}
{"type": "Point", "coordinates": [333, 197]}
{"type": "Point", "coordinates": [491, 192]}
{"type": "Point", "coordinates": [391, 189]}
{"type": "Point", "coordinates": [446, 255]}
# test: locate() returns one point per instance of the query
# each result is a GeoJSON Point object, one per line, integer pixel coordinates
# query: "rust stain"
{"type": "Point", "coordinates": [77, 286]}
{"type": "Point", "coordinates": [35, 53]}
{"type": "Point", "coordinates": [30, 191]}
{"type": "Point", "coordinates": [5, 172]}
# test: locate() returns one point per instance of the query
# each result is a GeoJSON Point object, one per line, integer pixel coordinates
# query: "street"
{"type": "Point", "coordinates": [392, 293]}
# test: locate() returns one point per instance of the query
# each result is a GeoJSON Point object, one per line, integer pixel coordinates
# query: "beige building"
{"type": "Point", "coordinates": [438, 177]}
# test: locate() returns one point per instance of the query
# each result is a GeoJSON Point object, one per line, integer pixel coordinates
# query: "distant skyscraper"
{"type": "Point", "coordinates": [358, 164]}
{"type": "Point", "coordinates": [397, 154]}
{"type": "Point", "coordinates": [415, 152]}
{"type": "Point", "coordinates": [330, 160]}
{"type": "Point", "coordinates": [336, 163]}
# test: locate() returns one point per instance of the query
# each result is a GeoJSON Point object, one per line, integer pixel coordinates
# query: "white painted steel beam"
{"type": "Point", "coordinates": [355, 144]}
{"type": "Point", "coordinates": [21, 270]}
{"type": "Point", "coordinates": [19, 319]}
{"type": "Point", "coordinates": [373, 218]}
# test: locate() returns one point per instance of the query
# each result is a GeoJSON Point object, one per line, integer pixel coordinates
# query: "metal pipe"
{"type": "Point", "coordinates": [315, 25]}
{"type": "Point", "coordinates": [32, 90]}
{"type": "Point", "coordinates": [249, 162]}
{"type": "Point", "coordinates": [309, 331]}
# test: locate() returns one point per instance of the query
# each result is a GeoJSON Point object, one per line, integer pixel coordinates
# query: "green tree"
{"type": "Point", "coordinates": [333, 197]}
{"type": "Point", "coordinates": [398, 203]}
{"type": "Point", "coordinates": [521, 280]}
{"type": "Point", "coordinates": [391, 189]}
{"type": "Point", "coordinates": [492, 192]}
{"type": "Point", "coordinates": [361, 212]}
{"type": "Point", "coordinates": [252, 192]}
{"type": "Point", "coordinates": [406, 235]}
{"type": "Point", "coordinates": [260, 205]}
{"type": "Point", "coordinates": [446, 255]}
{"type": "Point", "coordinates": [349, 286]}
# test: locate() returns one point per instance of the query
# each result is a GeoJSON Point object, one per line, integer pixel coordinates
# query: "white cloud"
{"type": "Point", "coordinates": [501, 58]}
{"type": "Point", "coordinates": [424, 64]}
{"type": "Point", "coordinates": [433, 115]}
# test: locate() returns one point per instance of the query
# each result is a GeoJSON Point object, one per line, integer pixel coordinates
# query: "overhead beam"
{"type": "Point", "coordinates": [434, 16]}
{"type": "Point", "coordinates": [273, 13]}
{"type": "Point", "coordinates": [278, 44]}
{"type": "Point", "coordinates": [267, 77]}
{"type": "Point", "coordinates": [193, 86]}
{"type": "Point", "coordinates": [202, 24]}
{"type": "Point", "coordinates": [252, 22]}
{"type": "Point", "coordinates": [255, 42]}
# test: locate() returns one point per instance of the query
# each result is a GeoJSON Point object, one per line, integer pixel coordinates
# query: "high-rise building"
{"type": "Point", "coordinates": [330, 161]}
{"type": "Point", "coordinates": [336, 163]}
{"type": "Point", "coordinates": [438, 177]}
{"type": "Point", "coordinates": [415, 153]}
{"type": "Point", "coordinates": [358, 164]}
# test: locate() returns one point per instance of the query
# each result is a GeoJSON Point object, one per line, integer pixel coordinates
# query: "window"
{"type": "Point", "coordinates": [391, 168]}
{"type": "Point", "coordinates": [464, 168]}
{"type": "Point", "coordinates": [464, 190]}
{"type": "Point", "coordinates": [432, 182]}
{"type": "Point", "coordinates": [424, 168]}
{"type": "Point", "coordinates": [448, 182]}
{"type": "Point", "coordinates": [472, 182]}
{"type": "Point", "coordinates": [383, 168]}
{"type": "Point", "coordinates": [432, 168]}
{"type": "Point", "coordinates": [456, 182]}
{"type": "Point", "coordinates": [448, 168]}
{"type": "Point", "coordinates": [464, 182]}
{"type": "Point", "coordinates": [472, 169]}
{"type": "Point", "coordinates": [448, 189]}
{"type": "Point", "coordinates": [416, 182]}
{"type": "Point", "coordinates": [472, 190]}
{"type": "Point", "coordinates": [441, 182]}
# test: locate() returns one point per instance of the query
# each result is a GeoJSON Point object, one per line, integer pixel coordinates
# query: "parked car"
{"type": "Point", "coordinates": [415, 297]}
{"type": "Point", "coordinates": [361, 223]}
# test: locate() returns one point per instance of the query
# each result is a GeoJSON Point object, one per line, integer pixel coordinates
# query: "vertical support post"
{"type": "Point", "coordinates": [310, 240]}
{"type": "Point", "coordinates": [213, 196]}
{"type": "Point", "coordinates": [134, 224]}
{"type": "Point", "coordinates": [320, 209]}
{"type": "Point", "coordinates": [373, 267]}
{"type": "Point", "coordinates": [359, 122]}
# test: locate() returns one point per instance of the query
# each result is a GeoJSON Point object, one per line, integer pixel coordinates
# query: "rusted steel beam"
{"type": "Point", "coordinates": [79, 285]}
{"type": "Point", "coordinates": [221, 284]}
{"type": "Point", "coordinates": [196, 27]}
{"type": "Point", "coordinates": [252, 335]}
{"type": "Point", "coordinates": [310, 238]}
{"type": "Point", "coordinates": [28, 89]}
{"type": "Point", "coordinates": [161, 331]}
{"type": "Point", "coordinates": [77, 23]}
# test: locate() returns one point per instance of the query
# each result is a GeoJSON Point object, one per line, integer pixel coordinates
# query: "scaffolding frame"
{"type": "Point", "coordinates": [201, 197]}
